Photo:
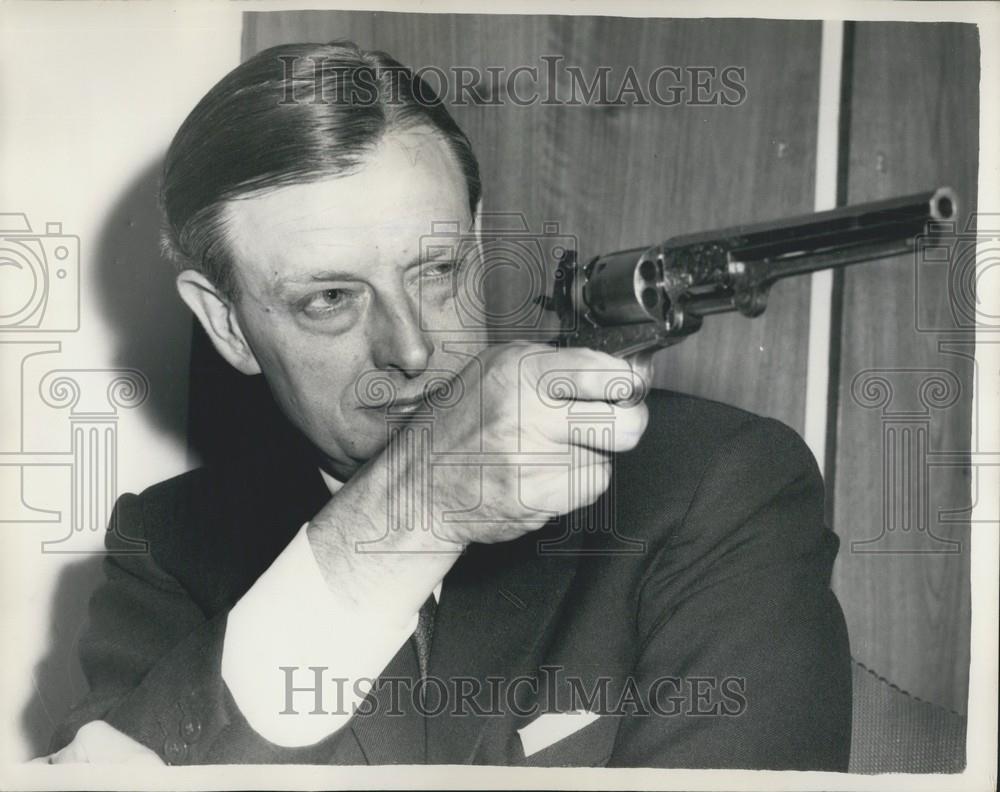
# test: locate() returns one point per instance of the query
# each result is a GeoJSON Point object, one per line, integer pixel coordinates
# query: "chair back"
{"type": "Point", "coordinates": [894, 732]}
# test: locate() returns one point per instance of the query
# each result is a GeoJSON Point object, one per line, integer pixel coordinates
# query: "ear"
{"type": "Point", "coordinates": [218, 316]}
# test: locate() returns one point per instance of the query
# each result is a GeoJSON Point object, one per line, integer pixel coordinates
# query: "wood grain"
{"type": "Point", "coordinates": [914, 126]}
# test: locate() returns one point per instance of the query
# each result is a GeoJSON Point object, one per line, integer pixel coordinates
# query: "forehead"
{"type": "Point", "coordinates": [408, 182]}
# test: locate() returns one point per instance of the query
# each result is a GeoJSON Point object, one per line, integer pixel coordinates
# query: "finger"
{"type": "Point", "coordinates": [615, 434]}
{"type": "Point", "coordinates": [563, 491]}
{"type": "Point", "coordinates": [590, 483]}
{"type": "Point", "coordinates": [578, 375]}
{"type": "Point", "coordinates": [613, 428]}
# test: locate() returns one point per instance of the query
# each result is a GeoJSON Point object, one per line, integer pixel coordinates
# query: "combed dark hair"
{"type": "Point", "coordinates": [292, 114]}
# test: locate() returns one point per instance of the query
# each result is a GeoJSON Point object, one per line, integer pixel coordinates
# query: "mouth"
{"type": "Point", "coordinates": [380, 396]}
{"type": "Point", "coordinates": [400, 406]}
{"type": "Point", "coordinates": [405, 407]}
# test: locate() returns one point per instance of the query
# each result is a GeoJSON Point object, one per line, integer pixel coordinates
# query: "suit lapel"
{"type": "Point", "coordinates": [498, 607]}
{"type": "Point", "coordinates": [393, 731]}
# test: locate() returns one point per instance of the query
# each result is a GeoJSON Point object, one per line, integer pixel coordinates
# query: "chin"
{"type": "Point", "coordinates": [360, 449]}
{"type": "Point", "coordinates": [360, 435]}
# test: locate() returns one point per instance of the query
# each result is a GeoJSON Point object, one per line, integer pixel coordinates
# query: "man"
{"type": "Point", "coordinates": [497, 589]}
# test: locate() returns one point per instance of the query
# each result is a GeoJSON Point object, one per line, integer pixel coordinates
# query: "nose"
{"type": "Point", "coordinates": [399, 342]}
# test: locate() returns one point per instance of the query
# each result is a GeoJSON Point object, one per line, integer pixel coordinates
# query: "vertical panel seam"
{"type": "Point", "coordinates": [837, 295]}
{"type": "Point", "coordinates": [826, 196]}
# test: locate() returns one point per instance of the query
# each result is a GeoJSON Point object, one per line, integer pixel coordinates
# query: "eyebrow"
{"type": "Point", "coordinates": [323, 276]}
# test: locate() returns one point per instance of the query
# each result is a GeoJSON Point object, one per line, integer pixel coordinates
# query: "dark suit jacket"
{"type": "Point", "coordinates": [716, 567]}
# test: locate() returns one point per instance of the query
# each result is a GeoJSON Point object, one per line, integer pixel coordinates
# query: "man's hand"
{"type": "Point", "coordinates": [512, 426]}
{"type": "Point", "coordinates": [98, 743]}
{"type": "Point", "coordinates": [512, 462]}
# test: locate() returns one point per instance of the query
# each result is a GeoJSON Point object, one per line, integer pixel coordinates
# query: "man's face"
{"type": "Point", "coordinates": [332, 286]}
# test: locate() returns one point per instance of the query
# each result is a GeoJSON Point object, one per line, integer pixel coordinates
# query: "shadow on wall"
{"type": "Point", "coordinates": [134, 285]}
{"type": "Point", "coordinates": [194, 397]}
{"type": "Point", "coordinates": [57, 679]}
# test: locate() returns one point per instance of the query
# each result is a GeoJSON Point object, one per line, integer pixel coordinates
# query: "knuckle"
{"type": "Point", "coordinates": [641, 417]}
{"type": "Point", "coordinates": [631, 425]}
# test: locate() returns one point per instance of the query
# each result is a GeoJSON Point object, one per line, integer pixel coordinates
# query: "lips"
{"type": "Point", "coordinates": [400, 406]}
{"type": "Point", "coordinates": [407, 407]}
{"type": "Point", "coordinates": [382, 397]}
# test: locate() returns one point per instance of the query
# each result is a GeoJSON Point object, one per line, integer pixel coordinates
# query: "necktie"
{"type": "Point", "coordinates": [423, 634]}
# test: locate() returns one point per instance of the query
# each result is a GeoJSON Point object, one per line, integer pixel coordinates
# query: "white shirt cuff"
{"type": "Point", "coordinates": [284, 628]}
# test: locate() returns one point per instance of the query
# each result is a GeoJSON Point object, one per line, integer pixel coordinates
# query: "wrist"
{"type": "Point", "coordinates": [370, 564]}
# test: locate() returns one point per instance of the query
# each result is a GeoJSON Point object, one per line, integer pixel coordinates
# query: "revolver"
{"type": "Point", "coordinates": [649, 298]}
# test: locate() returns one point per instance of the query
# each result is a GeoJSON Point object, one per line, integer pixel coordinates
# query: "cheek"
{"type": "Point", "coordinates": [310, 377]}
{"type": "Point", "coordinates": [313, 381]}
{"type": "Point", "coordinates": [318, 396]}
{"type": "Point", "coordinates": [321, 385]}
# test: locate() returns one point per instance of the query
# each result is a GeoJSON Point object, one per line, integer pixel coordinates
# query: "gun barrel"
{"type": "Point", "coordinates": [655, 296]}
{"type": "Point", "coordinates": [843, 236]}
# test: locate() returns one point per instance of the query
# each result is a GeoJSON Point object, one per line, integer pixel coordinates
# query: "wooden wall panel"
{"type": "Point", "coordinates": [904, 585]}
{"type": "Point", "coordinates": [617, 177]}
{"type": "Point", "coordinates": [622, 176]}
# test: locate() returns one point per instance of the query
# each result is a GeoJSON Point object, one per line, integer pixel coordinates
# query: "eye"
{"type": "Point", "coordinates": [440, 269]}
{"type": "Point", "coordinates": [328, 301]}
